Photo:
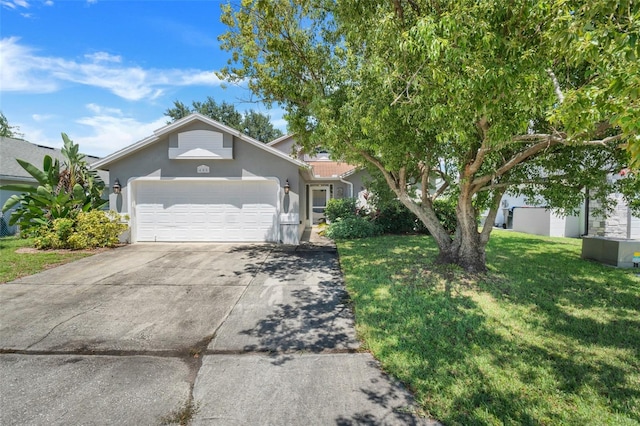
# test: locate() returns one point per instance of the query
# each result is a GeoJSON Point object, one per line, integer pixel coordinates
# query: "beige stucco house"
{"type": "Point", "coordinates": [199, 180]}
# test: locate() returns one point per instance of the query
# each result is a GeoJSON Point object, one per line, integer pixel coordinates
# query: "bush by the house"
{"type": "Point", "coordinates": [90, 229]}
{"type": "Point", "coordinates": [340, 208]}
{"type": "Point", "coordinates": [352, 227]}
{"type": "Point", "coordinates": [395, 218]}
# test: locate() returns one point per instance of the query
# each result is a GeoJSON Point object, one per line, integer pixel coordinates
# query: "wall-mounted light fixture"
{"type": "Point", "coordinates": [287, 187]}
{"type": "Point", "coordinates": [117, 187]}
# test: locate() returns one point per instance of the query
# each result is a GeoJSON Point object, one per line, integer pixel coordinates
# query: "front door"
{"type": "Point", "coordinates": [318, 203]}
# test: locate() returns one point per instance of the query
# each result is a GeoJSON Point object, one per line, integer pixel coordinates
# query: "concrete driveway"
{"type": "Point", "coordinates": [250, 334]}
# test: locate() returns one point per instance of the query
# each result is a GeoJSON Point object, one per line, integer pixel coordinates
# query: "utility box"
{"type": "Point", "coordinates": [618, 252]}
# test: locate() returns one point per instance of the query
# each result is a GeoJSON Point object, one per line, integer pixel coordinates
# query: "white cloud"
{"type": "Point", "coordinates": [103, 57]}
{"type": "Point", "coordinates": [110, 132]}
{"type": "Point", "coordinates": [14, 4]}
{"type": "Point", "coordinates": [98, 109]}
{"type": "Point", "coordinates": [205, 78]}
{"type": "Point", "coordinates": [48, 3]}
{"type": "Point", "coordinates": [42, 117]}
{"type": "Point", "coordinates": [23, 70]}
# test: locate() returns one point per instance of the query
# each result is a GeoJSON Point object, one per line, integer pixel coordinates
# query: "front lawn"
{"type": "Point", "coordinates": [15, 265]}
{"type": "Point", "coordinates": [544, 338]}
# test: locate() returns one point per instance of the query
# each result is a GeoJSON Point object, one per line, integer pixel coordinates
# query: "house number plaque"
{"type": "Point", "coordinates": [203, 169]}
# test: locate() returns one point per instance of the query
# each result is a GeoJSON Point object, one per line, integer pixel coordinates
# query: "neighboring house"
{"type": "Point", "coordinates": [12, 173]}
{"type": "Point", "coordinates": [199, 180]}
{"type": "Point", "coordinates": [620, 223]}
{"type": "Point", "coordinates": [517, 214]}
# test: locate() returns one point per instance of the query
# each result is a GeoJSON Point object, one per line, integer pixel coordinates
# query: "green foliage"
{"type": "Point", "coordinates": [251, 123]}
{"type": "Point", "coordinates": [544, 338]}
{"type": "Point", "coordinates": [352, 227]}
{"type": "Point", "coordinates": [6, 130]}
{"type": "Point", "coordinates": [340, 208]}
{"type": "Point", "coordinates": [445, 209]}
{"type": "Point", "coordinates": [476, 98]}
{"type": "Point", "coordinates": [91, 229]}
{"type": "Point", "coordinates": [62, 192]}
{"type": "Point", "coordinates": [393, 217]}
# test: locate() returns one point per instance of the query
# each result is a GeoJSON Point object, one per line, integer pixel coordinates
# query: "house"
{"type": "Point", "coordinates": [326, 179]}
{"type": "Point", "coordinates": [199, 180]}
{"type": "Point", "coordinates": [12, 173]}
{"type": "Point", "coordinates": [518, 214]}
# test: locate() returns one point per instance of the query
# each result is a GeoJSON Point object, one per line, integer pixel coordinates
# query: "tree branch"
{"type": "Point", "coordinates": [491, 217]}
{"type": "Point", "coordinates": [391, 180]}
{"type": "Point", "coordinates": [440, 190]}
{"type": "Point", "coordinates": [514, 161]}
{"type": "Point", "coordinates": [406, 89]}
{"type": "Point", "coordinates": [556, 85]}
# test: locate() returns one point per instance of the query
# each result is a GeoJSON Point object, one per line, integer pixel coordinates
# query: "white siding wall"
{"type": "Point", "coordinates": [539, 221]}
{"type": "Point", "coordinates": [532, 220]}
{"type": "Point", "coordinates": [635, 227]}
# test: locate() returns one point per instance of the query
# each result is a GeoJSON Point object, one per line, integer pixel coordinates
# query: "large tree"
{"type": "Point", "coordinates": [251, 123]}
{"type": "Point", "coordinates": [482, 97]}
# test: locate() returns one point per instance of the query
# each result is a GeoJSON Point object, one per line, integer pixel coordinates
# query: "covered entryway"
{"type": "Point", "coordinates": [318, 201]}
{"type": "Point", "coordinates": [205, 210]}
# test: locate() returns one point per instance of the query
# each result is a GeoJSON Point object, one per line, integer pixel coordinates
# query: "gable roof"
{"type": "Point", "coordinates": [13, 149]}
{"type": "Point", "coordinates": [157, 134]}
{"type": "Point", "coordinates": [280, 139]}
{"type": "Point", "coordinates": [330, 169]}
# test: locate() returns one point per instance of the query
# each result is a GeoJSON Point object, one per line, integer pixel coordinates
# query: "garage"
{"type": "Point", "coordinates": [176, 210]}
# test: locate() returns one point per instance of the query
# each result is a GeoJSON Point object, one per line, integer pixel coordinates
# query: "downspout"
{"type": "Point", "coordinates": [350, 186]}
{"type": "Point", "coordinates": [586, 212]}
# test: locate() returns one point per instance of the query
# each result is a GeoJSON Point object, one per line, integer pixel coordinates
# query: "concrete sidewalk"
{"type": "Point", "coordinates": [250, 334]}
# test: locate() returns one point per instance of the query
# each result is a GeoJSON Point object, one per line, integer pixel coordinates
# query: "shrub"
{"type": "Point", "coordinates": [395, 218]}
{"type": "Point", "coordinates": [340, 208]}
{"type": "Point", "coordinates": [91, 229]}
{"type": "Point", "coordinates": [96, 229]}
{"type": "Point", "coordinates": [352, 227]}
{"type": "Point", "coordinates": [445, 209]}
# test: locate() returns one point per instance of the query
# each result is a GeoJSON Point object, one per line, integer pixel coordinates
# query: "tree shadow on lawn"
{"type": "Point", "coordinates": [588, 313]}
{"type": "Point", "coordinates": [470, 366]}
{"type": "Point", "coordinates": [582, 300]}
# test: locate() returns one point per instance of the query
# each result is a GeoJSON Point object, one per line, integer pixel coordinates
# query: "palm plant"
{"type": "Point", "coordinates": [63, 190]}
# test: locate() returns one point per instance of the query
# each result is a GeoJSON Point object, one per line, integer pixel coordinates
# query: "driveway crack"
{"type": "Point", "coordinates": [63, 322]}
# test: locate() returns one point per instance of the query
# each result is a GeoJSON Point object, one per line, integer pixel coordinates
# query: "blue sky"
{"type": "Point", "coordinates": [104, 71]}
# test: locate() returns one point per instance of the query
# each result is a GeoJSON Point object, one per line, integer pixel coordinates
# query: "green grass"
{"type": "Point", "coordinates": [544, 338]}
{"type": "Point", "coordinates": [15, 265]}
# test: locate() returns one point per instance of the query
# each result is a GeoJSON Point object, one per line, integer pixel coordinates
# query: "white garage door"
{"type": "Point", "coordinates": [221, 210]}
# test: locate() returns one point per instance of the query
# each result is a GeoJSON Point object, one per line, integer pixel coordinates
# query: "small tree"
{"type": "Point", "coordinates": [6, 130]}
{"type": "Point", "coordinates": [63, 190]}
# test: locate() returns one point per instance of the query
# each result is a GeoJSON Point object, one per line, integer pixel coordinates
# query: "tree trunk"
{"type": "Point", "coordinates": [467, 249]}
{"type": "Point", "coordinates": [468, 253]}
